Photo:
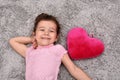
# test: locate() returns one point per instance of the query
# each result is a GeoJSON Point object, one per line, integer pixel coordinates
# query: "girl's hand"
{"type": "Point", "coordinates": [34, 43]}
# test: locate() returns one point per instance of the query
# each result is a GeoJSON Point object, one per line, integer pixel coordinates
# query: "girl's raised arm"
{"type": "Point", "coordinates": [19, 44]}
{"type": "Point", "coordinates": [76, 72]}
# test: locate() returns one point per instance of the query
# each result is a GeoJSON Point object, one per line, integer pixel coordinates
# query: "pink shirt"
{"type": "Point", "coordinates": [43, 63]}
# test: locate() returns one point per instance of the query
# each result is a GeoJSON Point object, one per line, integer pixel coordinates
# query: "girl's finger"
{"type": "Point", "coordinates": [35, 44]}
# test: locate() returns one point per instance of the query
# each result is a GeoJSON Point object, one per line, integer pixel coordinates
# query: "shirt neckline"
{"type": "Point", "coordinates": [39, 46]}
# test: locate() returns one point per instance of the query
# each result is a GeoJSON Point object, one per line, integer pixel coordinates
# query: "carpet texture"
{"type": "Point", "coordinates": [101, 17]}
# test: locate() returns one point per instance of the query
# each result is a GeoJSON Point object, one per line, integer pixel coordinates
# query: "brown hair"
{"type": "Point", "coordinates": [44, 16]}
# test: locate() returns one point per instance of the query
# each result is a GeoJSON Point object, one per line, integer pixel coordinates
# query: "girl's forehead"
{"type": "Point", "coordinates": [47, 24]}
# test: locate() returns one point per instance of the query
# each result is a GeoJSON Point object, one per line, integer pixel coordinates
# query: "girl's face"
{"type": "Point", "coordinates": [46, 33]}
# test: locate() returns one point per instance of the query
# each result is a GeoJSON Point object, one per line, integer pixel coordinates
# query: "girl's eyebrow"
{"type": "Point", "coordinates": [53, 28]}
{"type": "Point", "coordinates": [41, 27]}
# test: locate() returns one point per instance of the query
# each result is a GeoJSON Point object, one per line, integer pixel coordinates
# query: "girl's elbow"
{"type": "Point", "coordinates": [11, 41]}
{"type": "Point", "coordinates": [73, 71]}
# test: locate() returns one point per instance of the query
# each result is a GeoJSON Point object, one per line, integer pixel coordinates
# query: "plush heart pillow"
{"type": "Point", "coordinates": [82, 46]}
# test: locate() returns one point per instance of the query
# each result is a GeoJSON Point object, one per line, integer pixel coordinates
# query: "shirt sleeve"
{"type": "Point", "coordinates": [61, 50]}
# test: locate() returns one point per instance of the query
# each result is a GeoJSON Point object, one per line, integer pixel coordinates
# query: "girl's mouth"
{"type": "Point", "coordinates": [46, 38]}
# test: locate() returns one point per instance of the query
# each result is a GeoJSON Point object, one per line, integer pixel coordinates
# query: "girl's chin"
{"type": "Point", "coordinates": [45, 44]}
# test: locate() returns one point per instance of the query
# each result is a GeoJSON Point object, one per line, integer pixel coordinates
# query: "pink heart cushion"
{"type": "Point", "coordinates": [82, 46]}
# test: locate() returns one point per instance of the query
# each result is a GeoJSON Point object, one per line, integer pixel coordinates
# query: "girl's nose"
{"type": "Point", "coordinates": [46, 32]}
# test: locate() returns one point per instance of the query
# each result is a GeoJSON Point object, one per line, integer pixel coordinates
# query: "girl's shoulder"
{"type": "Point", "coordinates": [60, 50]}
{"type": "Point", "coordinates": [29, 48]}
{"type": "Point", "coordinates": [59, 46]}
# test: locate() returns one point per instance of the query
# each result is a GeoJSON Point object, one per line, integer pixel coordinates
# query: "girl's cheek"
{"type": "Point", "coordinates": [36, 36]}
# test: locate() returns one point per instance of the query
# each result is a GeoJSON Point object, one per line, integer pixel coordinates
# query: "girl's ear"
{"type": "Point", "coordinates": [33, 33]}
{"type": "Point", "coordinates": [57, 38]}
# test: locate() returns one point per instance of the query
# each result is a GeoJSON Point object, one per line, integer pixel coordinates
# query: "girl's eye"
{"type": "Point", "coordinates": [52, 31]}
{"type": "Point", "coordinates": [42, 30]}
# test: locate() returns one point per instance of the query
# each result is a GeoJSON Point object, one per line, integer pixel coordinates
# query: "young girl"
{"type": "Point", "coordinates": [44, 57]}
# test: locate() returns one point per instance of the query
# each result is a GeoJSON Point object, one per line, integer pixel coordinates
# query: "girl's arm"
{"type": "Point", "coordinates": [73, 69]}
{"type": "Point", "coordinates": [19, 44]}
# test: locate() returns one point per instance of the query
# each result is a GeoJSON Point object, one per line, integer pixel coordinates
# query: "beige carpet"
{"type": "Point", "coordinates": [101, 17]}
